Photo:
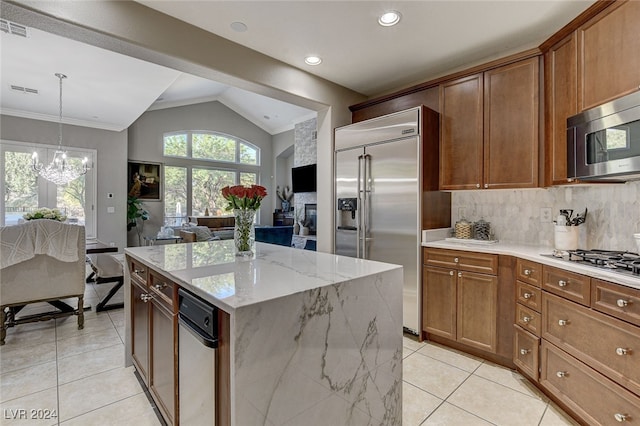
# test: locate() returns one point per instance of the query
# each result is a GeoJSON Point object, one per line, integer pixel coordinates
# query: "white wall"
{"type": "Point", "coordinates": [111, 165]}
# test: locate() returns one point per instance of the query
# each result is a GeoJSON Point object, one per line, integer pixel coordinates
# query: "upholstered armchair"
{"type": "Point", "coordinates": [41, 261]}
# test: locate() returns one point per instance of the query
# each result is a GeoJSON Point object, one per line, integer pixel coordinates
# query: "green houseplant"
{"type": "Point", "coordinates": [136, 215]}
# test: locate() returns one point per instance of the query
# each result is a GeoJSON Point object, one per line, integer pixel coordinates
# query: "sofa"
{"type": "Point", "coordinates": [41, 261]}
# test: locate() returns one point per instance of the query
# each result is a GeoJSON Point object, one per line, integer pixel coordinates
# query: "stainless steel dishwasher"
{"type": "Point", "coordinates": [197, 343]}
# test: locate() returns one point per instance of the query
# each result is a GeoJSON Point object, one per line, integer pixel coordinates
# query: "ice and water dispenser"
{"type": "Point", "coordinates": [347, 208]}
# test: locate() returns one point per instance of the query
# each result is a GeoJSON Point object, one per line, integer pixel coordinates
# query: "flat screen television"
{"type": "Point", "coordinates": [303, 178]}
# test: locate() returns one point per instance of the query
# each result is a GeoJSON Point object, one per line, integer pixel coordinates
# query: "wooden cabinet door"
{"type": "Point", "coordinates": [477, 310]}
{"type": "Point", "coordinates": [461, 121]}
{"type": "Point", "coordinates": [140, 330]}
{"type": "Point", "coordinates": [511, 125]}
{"type": "Point", "coordinates": [561, 102]}
{"type": "Point", "coordinates": [609, 62]}
{"type": "Point", "coordinates": [163, 359]}
{"type": "Point", "coordinates": [439, 301]}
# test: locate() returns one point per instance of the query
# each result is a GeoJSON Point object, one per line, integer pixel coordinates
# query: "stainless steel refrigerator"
{"type": "Point", "coordinates": [378, 189]}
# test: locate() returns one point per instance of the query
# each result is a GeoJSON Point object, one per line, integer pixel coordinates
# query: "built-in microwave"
{"type": "Point", "coordinates": [603, 143]}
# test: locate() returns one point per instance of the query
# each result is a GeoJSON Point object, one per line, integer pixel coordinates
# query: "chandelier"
{"type": "Point", "coordinates": [60, 170]}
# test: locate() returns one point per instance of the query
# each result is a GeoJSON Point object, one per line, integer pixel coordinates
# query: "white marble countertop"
{"type": "Point", "coordinates": [534, 253]}
{"type": "Point", "coordinates": [212, 271]}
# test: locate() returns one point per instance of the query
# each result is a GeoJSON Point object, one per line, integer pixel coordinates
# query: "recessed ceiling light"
{"type": "Point", "coordinates": [389, 18]}
{"type": "Point", "coordinates": [312, 60]}
{"type": "Point", "coordinates": [239, 27]}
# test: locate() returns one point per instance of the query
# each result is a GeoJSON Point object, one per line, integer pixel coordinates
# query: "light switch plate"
{"type": "Point", "coordinates": [111, 209]}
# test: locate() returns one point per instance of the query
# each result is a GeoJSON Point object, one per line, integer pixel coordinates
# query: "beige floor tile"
{"type": "Point", "coordinates": [31, 333]}
{"type": "Point", "coordinates": [132, 411]}
{"type": "Point", "coordinates": [39, 408]}
{"type": "Point", "coordinates": [14, 356]}
{"type": "Point", "coordinates": [406, 352]}
{"type": "Point", "coordinates": [416, 405]}
{"type": "Point", "coordinates": [509, 378]}
{"type": "Point", "coordinates": [497, 403]}
{"type": "Point", "coordinates": [19, 383]}
{"type": "Point", "coordinates": [411, 343]}
{"type": "Point", "coordinates": [87, 342]}
{"type": "Point", "coordinates": [86, 364]}
{"type": "Point", "coordinates": [458, 359]}
{"type": "Point", "coordinates": [87, 394]}
{"type": "Point", "coordinates": [554, 416]}
{"type": "Point", "coordinates": [69, 327]}
{"type": "Point", "coordinates": [431, 375]}
{"type": "Point", "coordinates": [449, 415]}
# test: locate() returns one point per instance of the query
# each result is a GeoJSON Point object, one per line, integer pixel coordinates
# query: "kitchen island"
{"type": "Point", "coordinates": [305, 337]}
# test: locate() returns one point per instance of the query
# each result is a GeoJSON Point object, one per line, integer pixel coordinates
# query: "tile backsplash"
{"type": "Point", "coordinates": [515, 216]}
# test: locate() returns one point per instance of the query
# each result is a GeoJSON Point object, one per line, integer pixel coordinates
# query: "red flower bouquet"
{"type": "Point", "coordinates": [244, 197]}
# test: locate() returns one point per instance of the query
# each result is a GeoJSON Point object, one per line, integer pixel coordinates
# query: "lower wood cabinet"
{"type": "Point", "coordinates": [594, 398]}
{"type": "Point", "coordinates": [153, 334]}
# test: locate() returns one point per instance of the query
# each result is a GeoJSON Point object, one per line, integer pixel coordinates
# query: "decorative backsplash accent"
{"type": "Point", "coordinates": [613, 218]}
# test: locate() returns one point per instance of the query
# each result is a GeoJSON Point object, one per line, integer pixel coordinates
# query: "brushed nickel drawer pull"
{"type": "Point", "coordinates": [526, 319]}
{"type": "Point", "coordinates": [562, 283]}
{"type": "Point", "coordinates": [561, 374]}
{"type": "Point", "coordinates": [623, 351]}
{"type": "Point", "coordinates": [562, 322]}
{"type": "Point", "coordinates": [622, 303]}
{"type": "Point", "coordinates": [145, 297]}
{"type": "Point", "coordinates": [138, 271]}
{"type": "Point", "coordinates": [621, 417]}
{"type": "Point", "coordinates": [527, 295]}
{"type": "Point", "coordinates": [451, 273]}
{"type": "Point", "coordinates": [460, 274]}
{"type": "Point", "coordinates": [160, 286]}
{"type": "Point", "coordinates": [456, 260]}
{"type": "Point", "coordinates": [527, 272]}
{"type": "Point", "coordinates": [524, 351]}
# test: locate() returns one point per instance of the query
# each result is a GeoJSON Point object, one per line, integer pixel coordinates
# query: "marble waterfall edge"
{"type": "Point", "coordinates": [327, 356]}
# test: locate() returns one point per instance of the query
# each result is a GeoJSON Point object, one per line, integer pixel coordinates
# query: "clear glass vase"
{"type": "Point", "coordinates": [244, 232]}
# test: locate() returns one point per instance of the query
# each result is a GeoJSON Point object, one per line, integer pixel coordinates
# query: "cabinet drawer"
{"type": "Point", "coordinates": [528, 272]}
{"type": "Point", "coordinates": [463, 260]}
{"type": "Point", "coordinates": [138, 271]}
{"type": "Point", "coordinates": [567, 284]}
{"type": "Point", "coordinates": [589, 394]}
{"type": "Point", "coordinates": [528, 319]}
{"type": "Point", "coordinates": [525, 352]}
{"type": "Point", "coordinates": [528, 295]}
{"type": "Point", "coordinates": [609, 345]}
{"type": "Point", "coordinates": [162, 287]}
{"type": "Point", "coordinates": [617, 300]}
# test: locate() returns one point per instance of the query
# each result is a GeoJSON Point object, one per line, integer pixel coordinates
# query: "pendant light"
{"type": "Point", "coordinates": [60, 171]}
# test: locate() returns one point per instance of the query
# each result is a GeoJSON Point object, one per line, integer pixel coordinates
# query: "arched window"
{"type": "Point", "coordinates": [198, 164]}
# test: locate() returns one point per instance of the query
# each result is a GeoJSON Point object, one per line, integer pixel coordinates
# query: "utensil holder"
{"type": "Point", "coordinates": [566, 237]}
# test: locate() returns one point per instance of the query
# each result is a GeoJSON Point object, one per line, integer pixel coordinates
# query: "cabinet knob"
{"type": "Point", "coordinates": [527, 272]}
{"type": "Point", "coordinates": [562, 322]}
{"type": "Point", "coordinates": [460, 274]}
{"type": "Point", "coordinates": [561, 374]}
{"type": "Point", "coordinates": [451, 273]}
{"type": "Point", "coordinates": [623, 351]}
{"type": "Point", "coordinates": [456, 260]}
{"type": "Point", "coordinates": [145, 297]}
{"type": "Point", "coordinates": [526, 319]}
{"type": "Point", "coordinates": [486, 185]}
{"type": "Point", "coordinates": [527, 295]}
{"type": "Point", "coordinates": [477, 185]}
{"type": "Point", "coordinates": [621, 417]}
{"type": "Point", "coordinates": [562, 283]}
{"type": "Point", "coordinates": [524, 351]}
{"type": "Point", "coordinates": [138, 271]}
{"type": "Point", "coordinates": [622, 303]}
{"type": "Point", "coordinates": [160, 286]}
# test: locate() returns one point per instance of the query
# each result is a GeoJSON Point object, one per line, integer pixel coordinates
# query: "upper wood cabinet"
{"type": "Point", "coordinates": [561, 101]}
{"type": "Point", "coordinates": [489, 128]}
{"type": "Point", "coordinates": [609, 54]}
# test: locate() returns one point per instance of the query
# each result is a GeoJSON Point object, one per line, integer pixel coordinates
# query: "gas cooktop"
{"type": "Point", "coordinates": [622, 262]}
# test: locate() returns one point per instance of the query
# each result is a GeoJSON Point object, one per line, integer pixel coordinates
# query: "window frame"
{"type": "Point", "coordinates": [238, 142]}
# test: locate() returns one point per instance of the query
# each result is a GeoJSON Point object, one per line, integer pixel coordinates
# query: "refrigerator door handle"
{"type": "Point", "coordinates": [359, 194]}
{"type": "Point", "coordinates": [366, 166]}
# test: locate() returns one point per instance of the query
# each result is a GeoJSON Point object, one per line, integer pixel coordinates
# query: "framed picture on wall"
{"type": "Point", "coordinates": [144, 180]}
